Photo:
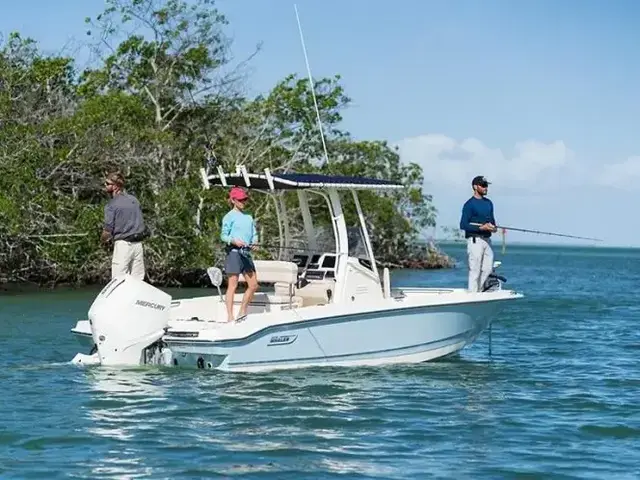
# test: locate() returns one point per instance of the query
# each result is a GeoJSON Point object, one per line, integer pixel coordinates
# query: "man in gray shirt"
{"type": "Point", "coordinates": [124, 225]}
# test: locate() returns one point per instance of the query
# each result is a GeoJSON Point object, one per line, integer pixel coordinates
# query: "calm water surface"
{"type": "Point", "coordinates": [557, 398]}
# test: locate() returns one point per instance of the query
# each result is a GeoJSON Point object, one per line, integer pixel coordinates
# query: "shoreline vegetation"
{"type": "Point", "coordinates": [163, 98]}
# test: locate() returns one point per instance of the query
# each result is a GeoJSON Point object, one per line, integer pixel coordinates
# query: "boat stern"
{"type": "Point", "coordinates": [126, 322]}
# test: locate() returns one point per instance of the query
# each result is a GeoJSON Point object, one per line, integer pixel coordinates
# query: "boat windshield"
{"type": "Point", "coordinates": [323, 230]}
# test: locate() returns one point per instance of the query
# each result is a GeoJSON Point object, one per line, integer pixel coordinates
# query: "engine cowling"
{"type": "Point", "coordinates": [126, 317]}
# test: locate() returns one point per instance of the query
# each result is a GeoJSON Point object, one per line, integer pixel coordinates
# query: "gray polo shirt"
{"type": "Point", "coordinates": [123, 216]}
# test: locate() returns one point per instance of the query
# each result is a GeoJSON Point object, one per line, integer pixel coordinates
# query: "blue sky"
{"type": "Point", "coordinates": [541, 97]}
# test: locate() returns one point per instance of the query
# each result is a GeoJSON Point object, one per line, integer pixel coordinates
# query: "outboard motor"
{"type": "Point", "coordinates": [126, 318]}
{"type": "Point", "coordinates": [494, 281]}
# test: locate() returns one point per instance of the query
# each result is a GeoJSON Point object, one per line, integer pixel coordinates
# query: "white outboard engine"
{"type": "Point", "coordinates": [126, 318]}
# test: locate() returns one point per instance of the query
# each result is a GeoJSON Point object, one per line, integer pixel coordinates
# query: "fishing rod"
{"type": "Point", "coordinates": [312, 251]}
{"type": "Point", "coordinates": [50, 235]}
{"type": "Point", "coordinates": [539, 232]}
{"type": "Point", "coordinates": [294, 249]}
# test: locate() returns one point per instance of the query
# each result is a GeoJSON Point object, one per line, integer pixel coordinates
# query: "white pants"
{"type": "Point", "coordinates": [128, 257]}
{"type": "Point", "coordinates": [480, 255]}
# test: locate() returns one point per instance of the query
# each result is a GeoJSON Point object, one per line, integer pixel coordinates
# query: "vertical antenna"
{"type": "Point", "coordinates": [313, 93]}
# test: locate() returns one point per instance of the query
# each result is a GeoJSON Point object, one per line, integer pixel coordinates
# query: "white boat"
{"type": "Point", "coordinates": [329, 308]}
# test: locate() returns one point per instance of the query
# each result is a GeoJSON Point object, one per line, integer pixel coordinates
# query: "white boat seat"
{"type": "Point", "coordinates": [284, 275]}
{"type": "Point", "coordinates": [275, 271]}
{"type": "Point", "coordinates": [315, 292]}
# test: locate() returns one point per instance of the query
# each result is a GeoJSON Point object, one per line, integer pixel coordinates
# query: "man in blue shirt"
{"type": "Point", "coordinates": [478, 222]}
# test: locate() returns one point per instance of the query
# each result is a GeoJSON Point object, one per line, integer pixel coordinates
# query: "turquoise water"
{"type": "Point", "coordinates": [557, 398]}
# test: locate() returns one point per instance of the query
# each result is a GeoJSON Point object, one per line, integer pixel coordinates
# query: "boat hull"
{"type": "Point", "coordinates": [412, 325]}
{"type": "Point", "coordinates": [409, 335]}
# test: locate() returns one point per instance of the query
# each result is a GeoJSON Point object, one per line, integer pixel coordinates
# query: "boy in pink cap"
{"type": "Point", "coordinates": [240, 237]}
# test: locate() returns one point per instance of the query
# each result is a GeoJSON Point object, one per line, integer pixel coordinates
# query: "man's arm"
{"type": "Point", "coordinates": [109, 220]}
{"type": "Point", "coordinates": [491, 221]}
{"type": "Point", "coordinates": [465, 220]}
{"type": "Point", "coordinates": [493, 218]}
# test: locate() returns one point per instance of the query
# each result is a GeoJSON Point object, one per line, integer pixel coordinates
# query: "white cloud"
{"type": "Point", "coordinates": [624, 175]}
{"type": "Point", "coordinates": [532, 164]}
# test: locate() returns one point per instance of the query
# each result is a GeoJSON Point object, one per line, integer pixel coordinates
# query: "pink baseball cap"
{"type": "Point", "coordinates": [237, 193]}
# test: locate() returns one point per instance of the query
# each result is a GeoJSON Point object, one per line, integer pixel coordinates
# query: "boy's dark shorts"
{"type": "Point", "coordinates": [237, 263]}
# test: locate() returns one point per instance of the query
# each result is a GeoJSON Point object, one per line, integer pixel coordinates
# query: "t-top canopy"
{"type": "Point", "coordinates": [293, 181]}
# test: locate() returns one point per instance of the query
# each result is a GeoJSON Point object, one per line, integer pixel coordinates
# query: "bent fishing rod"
{"type": "Point", "coordinates": [539, 232]}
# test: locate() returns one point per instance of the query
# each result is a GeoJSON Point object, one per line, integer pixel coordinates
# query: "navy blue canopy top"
{"type": "Point", "coordinates": [293, 181]}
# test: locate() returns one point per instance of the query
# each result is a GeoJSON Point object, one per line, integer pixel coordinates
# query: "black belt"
{"type": "Point", "coordinates": [136, 237]}
{"type": "Point", "coordinates": [470, 235]}
{"type": "Point", "coordinates": [475, 235]}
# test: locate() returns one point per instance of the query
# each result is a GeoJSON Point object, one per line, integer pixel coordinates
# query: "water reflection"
{"type": "Point", "coordinates": [124, 406]}
{"type": "Point", "coordinates": [339, 421]}
{"type": "Point", "coordinates": [125, 381]}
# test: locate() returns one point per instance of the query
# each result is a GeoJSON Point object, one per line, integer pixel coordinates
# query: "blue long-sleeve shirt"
{"type": "Point", "coordinates": [476, 210]}
{"type": "Point", "coordinates": [240, 226]}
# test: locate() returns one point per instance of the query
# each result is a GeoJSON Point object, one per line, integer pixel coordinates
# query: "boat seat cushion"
{"type": "Point", "coordinates": [315, 293]}
{"type": "Point", "coordinates": [275, 271]}
{"type": "Point", "coordinates": [265, 298]}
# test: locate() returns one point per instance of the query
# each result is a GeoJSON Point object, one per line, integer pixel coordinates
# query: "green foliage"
{"type": "Point", "coordinates": [453, 234]}
{"type": "Point", "coordinates": [158, 106]}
